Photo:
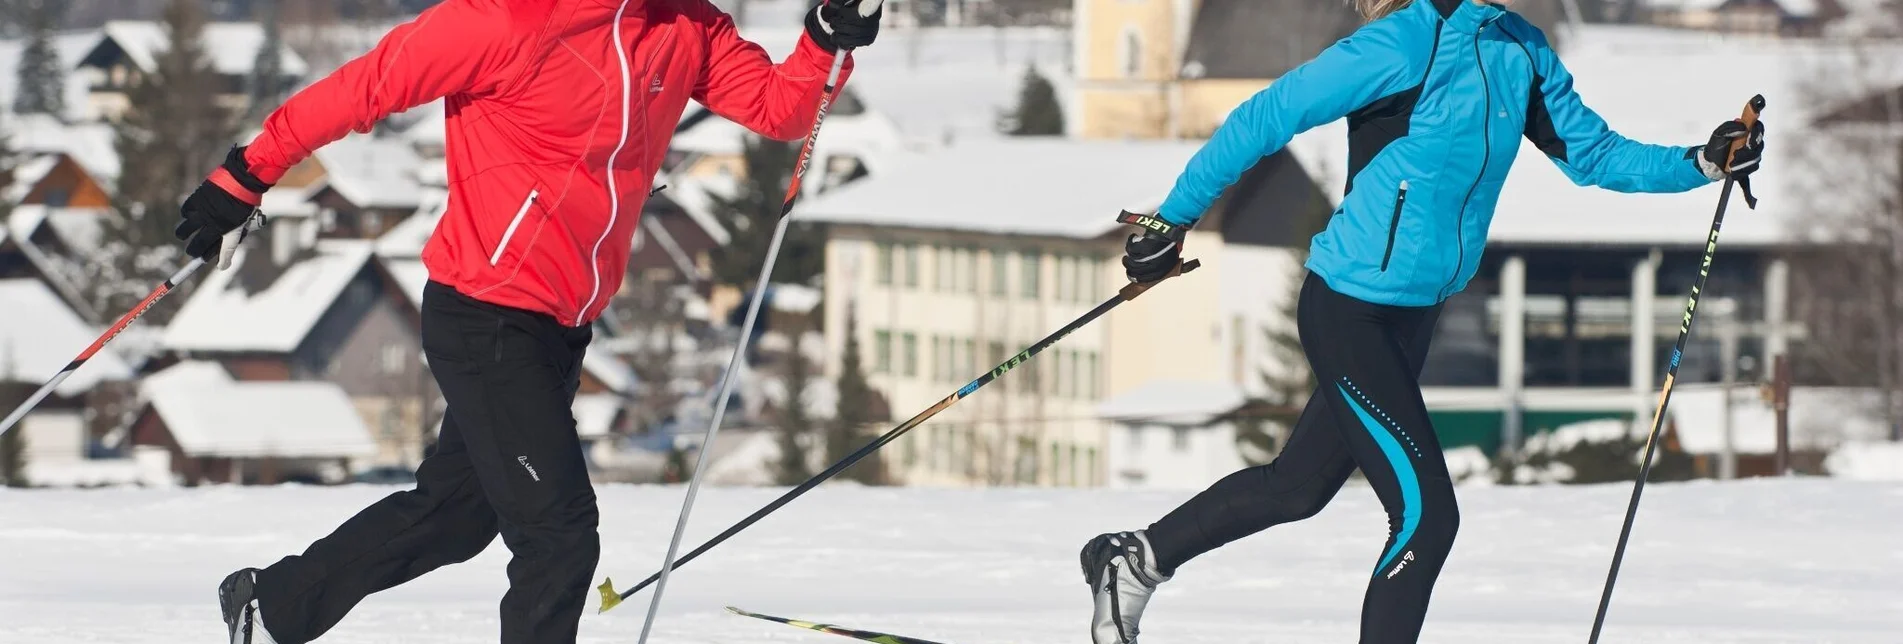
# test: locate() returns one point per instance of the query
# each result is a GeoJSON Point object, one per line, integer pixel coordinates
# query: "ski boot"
{"type": "Point", "coordinates": [238, 602]}
{"type": "Point", "coordinates": [1122, 575]}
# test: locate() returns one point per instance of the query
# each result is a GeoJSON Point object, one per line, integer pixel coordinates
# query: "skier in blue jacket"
{"type": "Point", "coordinates": [1437, 94]}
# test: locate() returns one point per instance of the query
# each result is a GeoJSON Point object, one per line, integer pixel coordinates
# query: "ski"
{"type": "Point", "coordinates": [869, 636]}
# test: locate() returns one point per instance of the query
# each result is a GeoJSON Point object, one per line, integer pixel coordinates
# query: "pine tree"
{"type": "Point", "coordinates": [1038, 113]}
{"type": "Point", "coordinates": [172, 134]}
{"type": "Point", "coordinates": [795, 425]}
{"type": "Point", "coordinates": [13, 444]}
{"type": "Point", "coordinates": [266, 87]}
{"type": "Point", "coordinates": [851, 427]}
{"type": "Point", "coordinates": [751, 214]}
{"type": "Point", "coordinates": [42, 84]}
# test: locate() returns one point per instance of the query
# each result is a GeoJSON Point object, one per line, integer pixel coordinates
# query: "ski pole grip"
{"type": "Point", "coordinates": [1750, 119]}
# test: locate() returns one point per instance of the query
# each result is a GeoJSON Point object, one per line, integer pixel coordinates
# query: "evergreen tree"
{"type": "Point", "coordinates": [852, 422]}
{"type": "Point", "coordinates": [751, 214]}
{"type": "Point", "coordinates": [172, 134]}
{"type": "Point", "coordinates": [1038, 113]}
{"type": "Point", "coordinates": [42, 84]}
{"type": "Point", "coordinates": [13, 444]}
{"type": "Point", "coordinates": [267, 86]}
{"type": "Point", "coordinates": [796, 427]}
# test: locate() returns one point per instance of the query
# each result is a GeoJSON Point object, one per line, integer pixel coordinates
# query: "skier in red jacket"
{"type": "Point", "coordinates": [559, 114]}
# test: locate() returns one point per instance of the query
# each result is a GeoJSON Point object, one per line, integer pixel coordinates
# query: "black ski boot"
{"type": "Point", "coordinates": [237, 600]}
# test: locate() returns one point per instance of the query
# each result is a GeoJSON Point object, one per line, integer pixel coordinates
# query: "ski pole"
{"type": "Point", "coordinates": [231, 241]}
{"type": "Point", "coordinates": [610, 598]}
{"type": "Point", "coordinates": [737, 362]}
{"type": "Point", "coordinates": [1751, 110]}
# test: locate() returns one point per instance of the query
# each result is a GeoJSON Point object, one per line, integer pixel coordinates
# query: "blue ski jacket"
{"type": "Point", "coordinates": [1437, 96]}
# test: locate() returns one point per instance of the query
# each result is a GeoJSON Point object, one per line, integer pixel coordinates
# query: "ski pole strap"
{"type": "Point", "coordinates": [1154, 225]}
{"type": "Point", "coordinates": [1750, 120]}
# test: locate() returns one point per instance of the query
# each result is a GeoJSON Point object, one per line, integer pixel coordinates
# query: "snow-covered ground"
{"type": "Point", "coordinates": [1757, 561]}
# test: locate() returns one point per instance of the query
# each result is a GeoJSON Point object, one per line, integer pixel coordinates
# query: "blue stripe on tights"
{"type": "Point", "coordinates": [1403, 472]}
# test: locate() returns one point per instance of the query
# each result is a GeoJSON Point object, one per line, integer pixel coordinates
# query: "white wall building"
{"type": "Point", "coordinates": [1169, 434]}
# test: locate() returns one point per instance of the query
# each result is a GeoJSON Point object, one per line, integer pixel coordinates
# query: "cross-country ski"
{"type": "Point", "coordinates": [1025, 321]}
{"type": "Point", "coordinates": [869, 636]}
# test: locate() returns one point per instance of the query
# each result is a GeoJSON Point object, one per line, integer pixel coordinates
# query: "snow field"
{"type": "Point", "coordinates": [1750, 562]}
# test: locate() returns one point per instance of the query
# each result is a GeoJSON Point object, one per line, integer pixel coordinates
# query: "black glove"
{"type": "Point", "coordinates": [1712, 158]}
{"type": "Point", "coordinates": [1151, 255]}
{"type": "Point", "coordinates": [844, 23]}
{"type": "Point", "coordinates": [223, 203]}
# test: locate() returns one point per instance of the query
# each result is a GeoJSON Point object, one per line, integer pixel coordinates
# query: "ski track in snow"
{"type": "Point", "coordinates": [1754, 562]}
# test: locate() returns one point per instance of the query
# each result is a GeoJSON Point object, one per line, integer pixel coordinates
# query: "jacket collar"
{"type": "Point", "coordinates": [1467, 16]}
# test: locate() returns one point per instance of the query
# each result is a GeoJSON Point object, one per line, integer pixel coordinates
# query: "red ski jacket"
{"type": "Point", "coordinates": [559, 114]}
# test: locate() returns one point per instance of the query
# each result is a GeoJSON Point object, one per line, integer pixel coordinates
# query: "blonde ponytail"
{"type": "Point", "coordinates": [1373, 10]}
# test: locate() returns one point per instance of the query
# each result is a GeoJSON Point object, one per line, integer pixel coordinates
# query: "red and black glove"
{"type": "Point", "coordinates": [849, 24]}
{"type": "Point", "coordinates": [224, 203]}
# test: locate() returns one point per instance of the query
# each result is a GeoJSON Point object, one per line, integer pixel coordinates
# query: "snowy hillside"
{"type": "Point", "coordinates": [1761, 561]}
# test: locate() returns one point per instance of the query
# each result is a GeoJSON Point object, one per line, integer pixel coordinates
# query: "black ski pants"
{"type": "Point", "coordinates": [508, 461]}
{"type": "Point", "coordinates": [1366, 412]}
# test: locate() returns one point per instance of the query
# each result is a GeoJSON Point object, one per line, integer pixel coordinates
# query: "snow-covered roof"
{"type": "Point", "coordinates": [794, 298]}
{"type": "Point", "coordinates": [1042, 186]}
{"type": "Point", "coordinates": [39, 335]}
{"type": "Point", "coordinates": [89, 144]}
{"type": "Point", "coordinates": [936, 83]}
{"type": "Point", "coordinates": [290, 201]}
{"type": "Point", "coordinates": [1867, 461]}
{"type": "Point", "coordinates": [70, 47]}
{"type": "Point", "coordinates": [1798, 8]}
{"type": "Point", "coordinates": [373, 172]}
{"type": "Point", "coordinates": [222, 317]}
{"type": "Point", "coordinates": [868, 136]}
{"type": "Point", "coordinates": [231, 47]}
{"type": "Point", "coordinates": [695, 197]}
{"type": "Point", "coordinates": [1173, 402]}
{"type": "Point", "coordinates": [407, 237]}
{"type": "Point", "coordinates": [614, 374]}
{"type": "Point", "coordinates": [595, 414]}
{"type": "Point", "coordinates": [411, 276]}
{"type": "Point", "coordinates": [209, 414]}
{"type": "Point", "coordinates": [27, 176]}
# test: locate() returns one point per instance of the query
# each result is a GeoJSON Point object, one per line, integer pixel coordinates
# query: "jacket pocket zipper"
{"type": "Point", "coordinates": [496, 258]}
{"type": "Point", "coordinates": [1394, 225]}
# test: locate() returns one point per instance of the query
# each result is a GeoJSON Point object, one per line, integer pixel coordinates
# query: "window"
{"type": "Point", "coordinates": [1052, 466]}
{"type": "Point", "coordinates": [938, 358]}
{"type": "Point", "coordinates": [971, 359]}
{"type": "Point", "coordinates": [909, 351]}
{"type": "Point", "coordinates": [1062, 287]}
{"type": "Point", "coordinates": [1090, 375]}
{"type": "Point", "coordinates": [1030, 267]}
{"type": "Point", "coordinates": [968, 273]}
{"type": "Point", "coordinates": [911, 265]}
{"type": "Point", "coordinates": [1236, 344]}
{"type": "Point", "coordinates": [911, 450]}
{"type": "Point", "coordinates": [997, 354]}
{"type": "Point", "coordinates": [882, 267]}
{"type": "Point", "coordinates": [1000, 279]}
{"type": "Point", "coordinates": [1131, 53]}
{"type": "Point", "coordinates": [392, 359]}
{"type": "Point", "coordinates": [947, 269]}
{"type": "Point", "coordinates": [1072, 375]}
{"type": "Point", "coordinates": [1073, 472]}
{"type": "Point", "coordinates": [882, 352]}
{"type": "Point", "coordinates": [1090, 466]}
{"type": "Point", "coordinates": [1179, 438]}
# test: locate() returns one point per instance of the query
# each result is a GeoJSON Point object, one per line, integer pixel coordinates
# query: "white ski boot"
{"type": "Point", "coordinates": [237, 600]}
{"type": "Point", "coordinates": [1122, 575]}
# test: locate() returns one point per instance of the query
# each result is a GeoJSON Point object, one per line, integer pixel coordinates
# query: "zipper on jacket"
{"type": "Point", "coordinates": [1394, 225]}
{"type": "Point", "coordinates": [1486, 159]}
{"type": "Point", "coordinates": [496, 257]}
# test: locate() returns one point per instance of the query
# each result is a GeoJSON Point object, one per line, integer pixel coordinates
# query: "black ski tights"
{"type": "Point", "coordinates": [1366, 412]}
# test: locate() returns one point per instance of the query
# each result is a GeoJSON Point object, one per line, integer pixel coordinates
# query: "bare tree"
{"type": "Point", "coordinates": [1848, 290]}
